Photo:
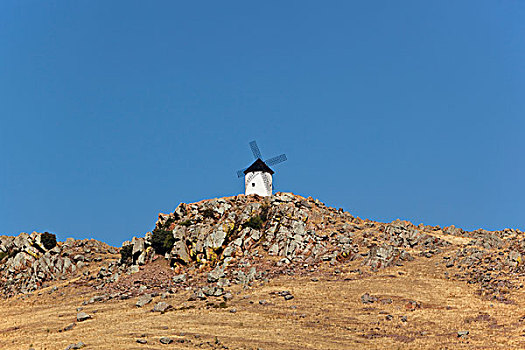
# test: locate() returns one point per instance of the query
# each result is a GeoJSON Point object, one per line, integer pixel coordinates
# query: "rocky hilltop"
{"type": "Point", "coordinates": [215, 253]}
{"type": "Point", "coordinates": [245, 238]}
{"type": "Point", "coordinates": [289, 234]}
{"type": "Point", "coordinates": [30, 261]}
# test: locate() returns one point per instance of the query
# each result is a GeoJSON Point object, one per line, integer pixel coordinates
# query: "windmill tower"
{"type": "Point", "coordinates": [258, 176]}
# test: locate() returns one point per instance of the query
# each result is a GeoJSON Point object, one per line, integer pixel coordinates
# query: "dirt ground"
{"type": "Point", "coordinates": [416, 308]}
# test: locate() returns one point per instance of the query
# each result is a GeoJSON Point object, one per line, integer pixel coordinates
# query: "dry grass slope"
{"type": "Point", "coordinates": [324, 314]}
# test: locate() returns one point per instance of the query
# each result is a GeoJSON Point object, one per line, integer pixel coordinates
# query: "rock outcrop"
{"type": "Point", "coordinates": [27, 262]}
{"type": "Point", "coordinates": [210, 245]}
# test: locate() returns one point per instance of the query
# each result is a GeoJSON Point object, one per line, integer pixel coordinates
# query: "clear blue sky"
{"type": "Point", "coordinates": [114, 111]}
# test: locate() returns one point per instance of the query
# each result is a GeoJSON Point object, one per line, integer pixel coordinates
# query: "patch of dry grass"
{"type": "Point", "coordinates": [327, 314]}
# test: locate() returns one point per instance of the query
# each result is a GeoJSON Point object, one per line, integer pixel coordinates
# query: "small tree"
{"type": "Point", "coordinates": [162, 241]}
{"type": "Point", "coordinates": [255, 222]}
{"type": "Point", "coordinates": [265, 209]}
{"type": "Point", "coordinates": [49, 240]}
{"type": "Point", "coordinates": [208, 213]}
{"type": "Point", "coordinates": [186, 223]}
{"type": "Point", "coordinates": [125, 254]}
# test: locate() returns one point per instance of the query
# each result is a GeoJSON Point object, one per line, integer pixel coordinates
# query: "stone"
{"type": "Point", "coordinates": [142, 341]}
{"type": "Point", "coordinates": [69, 327]}
{"type": "Point", "coordinates": [82, 316]}
{"type": "Point", "coordinates": [216, 238]}
{"type": "Point", "coordinates": [180, 252]}
{"type": "Point", "coordinates": [179, 278]}
{"type": "Point", "coordinates": [161, 307]}
{"type": "Point", "coordinates": [198, 294]}
{"type": "Point", "coordinates": [138, 247]}
{"type": "Point", "coordinates": [368, 299]}
{"type": "Point", "coordinates": [463, 334]}
{"type": "Point", "coordinates": [133, 269]}
{"type": "Point", "coordinates": [79, 257]}
{"type": "Point", "coordinates": [212, 291]}
{"type": "Point", "coordinates": [78, 345]}
{"type": "Point", "coordinates": [165, 340]}
{"type": "Point", "coordinates": [223, 282]}
{"type": "Point", "coordinates": [215, 274]}
{"type": "Point", "coordinates": [144, 300]}
{"type": "Point", "coordinates": [412, 305]}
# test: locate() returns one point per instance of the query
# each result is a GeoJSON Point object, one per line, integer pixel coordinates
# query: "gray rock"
{"type": "Point", "coordinates": [179, 278]}
{"type": "Point", "coordinates": [213, 291]}
{"type": "Point", "coordinates": [180, 252]}
{"type": "Point", "coordinates": [82, 316]}
{"type": "Point", "coordinates": [79, 257]}
{"type": "Point", "coordinates": [463, 334]}
{"type": "Point", "coordinates": [144, 300]}
{"type": "Point", "coordinates": [133, 269]}
{"type": "Point", "coordinates": [368, 299]}
{"type": "Point", "coordinates": [161, 307]}
{"type": "Point", "coordinates": [223, 282]}
{"type": "Point", "coordinates": [78, 345]}
{"type": "Point", "coordinates": [198, 294]}
{"type": "Point", "coordinates": [165, 340]}
{"type": "Point", "coordinates": [216, 238]}
{"type": "Point", "coordinates": [69, 327]}
{"type": "Point", "coordinates": [215, 274]}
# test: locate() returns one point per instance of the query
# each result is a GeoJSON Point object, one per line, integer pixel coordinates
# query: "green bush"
{"type": "Point", "coordinates": [49, 240]}
{"type": "Point", "coordinates": [3, 255]}
{"type": "Point", "coordinates": [264, 212]}
{"type": "Point", "coordinates": [255, 222]}
{"type": "Point", "coordinates": [208, 213]}
{"type": "Point", "coordinates": [125, 254]}
{"type": "Point", "coordinates": [186, 223]}
{"type": "Point", "coordinates": [162, 241]}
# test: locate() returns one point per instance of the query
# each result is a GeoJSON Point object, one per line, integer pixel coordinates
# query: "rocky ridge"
{"type": "Point", "coordinates": [26, 264]}
{"type": "Point", "coordinates": [210, 245]}
{"type": "Point", "coordinates": [244, 239]}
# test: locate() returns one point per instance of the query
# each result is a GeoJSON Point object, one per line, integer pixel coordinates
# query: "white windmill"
{"type": "Point", "coordinates": [258, 176]}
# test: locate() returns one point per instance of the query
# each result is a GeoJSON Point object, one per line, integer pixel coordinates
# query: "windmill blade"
{"type": "Point", "coordinates": [240, 173]}
{"type": "Point", "coordinates": [267, 184]}
{"type": "Point", "coordinates": [276, 160]}
{"type": "Point", "coordinates": [255, 150]}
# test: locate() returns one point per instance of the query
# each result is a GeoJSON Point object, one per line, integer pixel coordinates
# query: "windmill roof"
{"type": "Point", "coordinates": [258, 165]}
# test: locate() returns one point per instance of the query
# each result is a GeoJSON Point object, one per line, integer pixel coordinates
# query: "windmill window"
{"type": "Point", "coordinates": [253, 184]}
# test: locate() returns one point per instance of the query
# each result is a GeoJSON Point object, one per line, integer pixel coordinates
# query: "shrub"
{"type": "Point", "coordinates": [255, 222]}
{"type": "Point", "coordinates": [264, 212]}
{"type": "Point", "coordinates": [208, 213]}
{"type": "Point", "coordinates": [49, 240]}
{"type": "Point", "coordinates": [3, 255]}
{"type": "Point", "coordinates": [125, 254]}
{"type": "Point", "coordinates": [186, 223]}
{"type": "Point", "coordinates": [162, 241]}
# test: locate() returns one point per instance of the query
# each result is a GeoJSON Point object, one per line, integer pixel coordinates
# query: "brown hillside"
{"type": "Point", "coordinates": [283, 272]}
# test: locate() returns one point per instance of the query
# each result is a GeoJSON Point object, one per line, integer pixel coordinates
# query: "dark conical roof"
{"type": "Point", "coordinates": [258, 165]}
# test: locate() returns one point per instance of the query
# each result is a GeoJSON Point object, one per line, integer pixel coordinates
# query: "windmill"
{"type": "Point", "coordinates": [258, 176]}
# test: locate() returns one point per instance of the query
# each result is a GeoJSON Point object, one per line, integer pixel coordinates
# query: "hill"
{"type": "Point", "coordinates": [280, 272]}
